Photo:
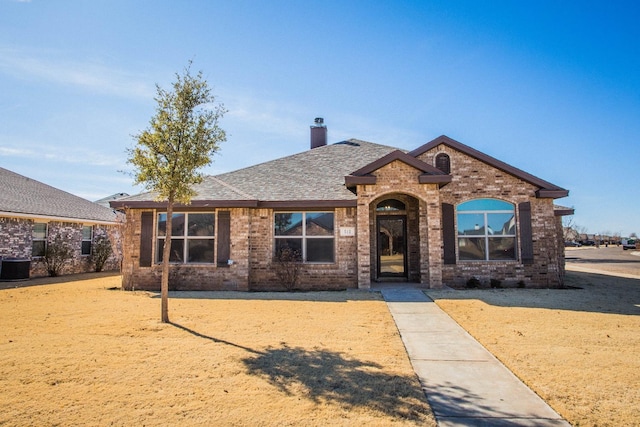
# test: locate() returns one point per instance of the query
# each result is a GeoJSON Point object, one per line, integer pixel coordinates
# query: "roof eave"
{"type": "Point", "coordinates": [276, 204]}
{"type": "Point", "coordinates": [352, 180]}
{"type": "Point", "coordinates": [36, 217]}
{"type": "Point", "coordinates": [563, 211]}
{"type": "Point", "coordinates": [552, 193]}
{"type": "Point", "coordinates": [152, 204]}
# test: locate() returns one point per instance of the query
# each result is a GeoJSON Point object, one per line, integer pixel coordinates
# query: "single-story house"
{"type": "Point", "coordinates": [356, 213]}
{"type": "Point", "coordinates": [33, 214]}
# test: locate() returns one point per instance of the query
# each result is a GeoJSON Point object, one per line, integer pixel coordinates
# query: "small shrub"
{"type": "Point", "coordinates": [56, 255]}
{"type": "Point", "coordinates": [286, 265]}
{"type": "Point", "coordinates": [473, 283]}
{"type": "Point", "coordinates": [520, 284]}
{"type": "Point", "coordinates": [101, 252]}
{"type": "Point", "coordinates": [496, 283]}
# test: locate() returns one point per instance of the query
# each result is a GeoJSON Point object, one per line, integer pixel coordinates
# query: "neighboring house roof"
{"type": "Point", "coordinates": [322, 177]}
{"type": "Point", "coordinates": [24, 197]}
{"type": "Point", "coordinates": [105, 200]}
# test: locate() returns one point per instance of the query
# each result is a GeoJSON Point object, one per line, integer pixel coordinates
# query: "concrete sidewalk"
{"type": "Point", "coordinates": [464, 383]}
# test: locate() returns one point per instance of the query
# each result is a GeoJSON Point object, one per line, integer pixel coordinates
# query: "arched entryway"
{"type": "Point", "coordinates": [395, 239]}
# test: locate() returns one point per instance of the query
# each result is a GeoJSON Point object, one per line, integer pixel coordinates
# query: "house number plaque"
{"type": "Point", "coordinates": [347, 231]}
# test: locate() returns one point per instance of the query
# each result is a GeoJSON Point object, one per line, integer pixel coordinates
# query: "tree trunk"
{"type": "Point", "coordinates": [166, 255]}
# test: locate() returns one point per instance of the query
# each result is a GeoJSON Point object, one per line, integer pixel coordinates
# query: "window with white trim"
{"type": "Point", "coordinates": [39, 239]}
{"type": "Point", "coordinates": [486, 230]}
{"type": "Point", "coordinates": [308, 234]}
{"type": "Point", "coordinates": [87, 239]}
{"type": "Point", "coordinates": [192, 237]}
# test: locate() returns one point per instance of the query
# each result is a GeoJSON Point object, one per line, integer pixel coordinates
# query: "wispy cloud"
{"type": "Point", "coordinates": [89, 75]}
{"type": "Point", "coordinates": [75, 156]}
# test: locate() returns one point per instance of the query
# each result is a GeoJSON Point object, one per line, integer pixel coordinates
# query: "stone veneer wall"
{"type": "Point", "coordinates": [16, 242]}
{"type": "Point", "coordinates": [474, 179]}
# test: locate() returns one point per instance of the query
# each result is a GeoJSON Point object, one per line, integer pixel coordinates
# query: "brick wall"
{"type": "Point", "coordinates": [330, 276]}
{"type": "Point", "coordinates": [252, 239]}
{"type": "Point", "coordinates": [474, 179]}
{"type": "Point", "coordinates": [232, 276]}
{"type": "Point", "coordinates": [252, 249]}
{"type": "Point", "coordinates": [16, 242]}
{"type": "Point", "coordinates": [397, 180]}
{"type": "Point", "coordinates": [15, 238]}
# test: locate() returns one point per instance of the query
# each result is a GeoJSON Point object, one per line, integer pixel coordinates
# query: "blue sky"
{"type": "Point", "coordinates": [551, 87]}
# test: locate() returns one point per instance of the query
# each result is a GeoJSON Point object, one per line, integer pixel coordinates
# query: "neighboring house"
{"type": "Point", "coordinates": [106, 200]}
{"type": "Point", "coordinates": [357, 213]}
{"type": "Point", "coordinates": [32, 214]}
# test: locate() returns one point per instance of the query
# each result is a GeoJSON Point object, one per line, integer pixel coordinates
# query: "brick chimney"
{"type": "Point", "coordinates": [318, 133]}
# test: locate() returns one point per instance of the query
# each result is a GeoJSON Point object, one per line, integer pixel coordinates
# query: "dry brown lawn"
{"type": "Point", "coordinates": [579, 349]}
{"type": "Point", "coordinates": [78, 353]}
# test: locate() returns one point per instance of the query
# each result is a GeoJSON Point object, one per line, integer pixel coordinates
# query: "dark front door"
{"type": "Point", "coordinates": [392, 246]}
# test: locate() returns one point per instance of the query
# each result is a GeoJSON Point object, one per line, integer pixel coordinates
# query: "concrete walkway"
{"type": "Point", "coordinates": [464, 383]}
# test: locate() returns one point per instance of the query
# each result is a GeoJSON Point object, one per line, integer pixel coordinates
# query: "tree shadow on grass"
{"type": "Point", "coordinates": [325, 376]}
{"type": "Point", "coordinates": [322, 375]}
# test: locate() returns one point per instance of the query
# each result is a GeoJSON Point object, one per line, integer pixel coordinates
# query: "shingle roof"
{"type": "Point", "coordinates": [313, 175]}
{"type": "Point", "coordinates": [105, 200]}
{"type": "Point", "coordinates": [317, 176]}
{"type": "Point", "coordinates": [23, 196]}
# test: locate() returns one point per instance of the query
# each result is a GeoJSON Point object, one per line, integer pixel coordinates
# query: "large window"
{"type": "Point", "coordinates": [87, 238]}
{"type": "Point", "coordinates": [192, 237]}
{"type": "Point", "coordinates": [486, 230]}
{"type": "Point", "coordinates": [310, 234]}
{"type": "Point", "coordinates": [39, 239]}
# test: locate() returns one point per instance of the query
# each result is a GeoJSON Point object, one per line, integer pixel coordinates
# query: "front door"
{"type": "Point", "coordinates": [392, 246]}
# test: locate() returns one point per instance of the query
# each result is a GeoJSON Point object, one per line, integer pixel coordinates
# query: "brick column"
{"type": "Point", "coordinates": [362, 234]}
{"type": "Point", "coordinates": [433, 240]}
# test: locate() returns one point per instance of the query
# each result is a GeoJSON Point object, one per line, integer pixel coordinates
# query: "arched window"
{"type": "Point", "coordinates": [486, 230]}
{"type": "Point", "coordinates": [443, 162]}
{"type": "Point", "coordinates": [390, 205]}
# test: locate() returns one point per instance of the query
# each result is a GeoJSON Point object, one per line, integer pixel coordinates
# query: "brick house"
{"type": "Point", "coordinates": [32, 214]}
{"type": "Point", "coordinates": [357, 213]}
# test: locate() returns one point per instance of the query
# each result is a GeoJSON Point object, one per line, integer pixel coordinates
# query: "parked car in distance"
{"type": "Point", "coordinates": [628, 244]}
{"type": "Point", "coordinates": [572, 244]}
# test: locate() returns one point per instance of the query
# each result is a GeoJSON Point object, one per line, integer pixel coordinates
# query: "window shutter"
{"type": "Point", "coordinates": [526, 235]}
{"type": "Point", "coordinates": [449, 233]}
{"type": "Point", "coordinates": [146, 239]}
{"type": "Point", "coordinates": [224, 238]}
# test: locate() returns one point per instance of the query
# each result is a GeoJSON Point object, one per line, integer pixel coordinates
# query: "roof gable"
{"type": "Point", "coordinates": [546, 189]}
{"type": "Point", "coordinates": [429, 174]}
